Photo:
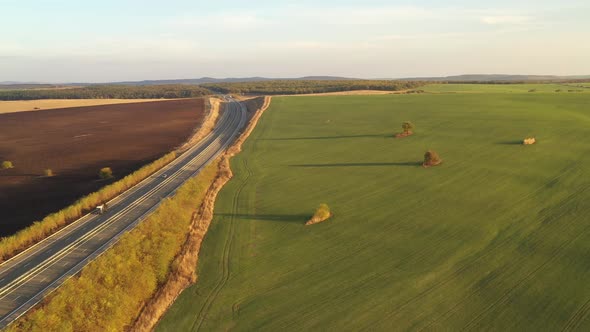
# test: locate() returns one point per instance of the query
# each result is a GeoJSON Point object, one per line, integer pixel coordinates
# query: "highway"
{"type": "Point", "coordinates": [28, 277]}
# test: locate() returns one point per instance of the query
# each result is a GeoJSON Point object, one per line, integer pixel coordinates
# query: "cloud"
{"type": "Point", "coordinates": [361, 15]}
{"type": "Point", "coordinates": [506, 19]}
{"type": "Point", "coordinates": [225, 21]}
{"type": "Point", "coordinates": [419, 36]}
{"type": "Point", "coordinates": [9, 48]}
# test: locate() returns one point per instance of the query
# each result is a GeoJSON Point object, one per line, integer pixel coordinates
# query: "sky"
{"type": "Point", "coordinates": [118, 40]}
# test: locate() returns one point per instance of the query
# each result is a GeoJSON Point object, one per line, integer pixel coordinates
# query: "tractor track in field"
{"type": "Point", "coordinates": [577, 317]}
{"type": "Point", "coordinates": [507, 293]}
{"type": "Point", "coordinates": [226, 254]}
{"type": "Point", "coordinates": [458, 272]}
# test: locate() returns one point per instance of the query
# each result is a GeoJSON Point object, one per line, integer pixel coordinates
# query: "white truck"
{"type": "Point", "coordinates": [101, 209]}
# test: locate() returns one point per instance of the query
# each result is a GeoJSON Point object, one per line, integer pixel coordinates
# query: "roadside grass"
{"type": "Point", "coordinates": [111, 290]}
{"type": "Point", "coordinates": [497, 238]}
{"type": "Point", "coordinates": [12, 245]}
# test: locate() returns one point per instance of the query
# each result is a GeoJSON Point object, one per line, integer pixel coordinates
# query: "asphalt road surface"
{"type": "Point", "coordinates": [28, 277]}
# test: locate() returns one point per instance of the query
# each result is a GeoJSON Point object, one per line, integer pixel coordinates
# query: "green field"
{"type": "Point", "coordinates": [498, 237]}
{"type": "Point", "coordinates": [504, 88]}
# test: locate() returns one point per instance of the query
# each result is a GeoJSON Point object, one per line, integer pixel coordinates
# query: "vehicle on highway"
{"type": "Point", "coordinates": [101, 209]}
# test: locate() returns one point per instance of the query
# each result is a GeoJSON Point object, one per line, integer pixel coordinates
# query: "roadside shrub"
{"type": "Point", "coordinates": [105, 173]}
{"type": "Point", "coordinates": [6, 164]}
{"type": "Point", "coordinates": [322, 213]}
{"type": "Point", "coordinates": [431, 158]}
{"type": "Point", "coordinates": [48, 172]}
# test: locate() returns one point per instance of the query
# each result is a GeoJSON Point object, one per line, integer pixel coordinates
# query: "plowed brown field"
{"type": "Point", "coordinates": [75, 143]}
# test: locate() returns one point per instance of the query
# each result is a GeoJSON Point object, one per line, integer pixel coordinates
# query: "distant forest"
{"type": "Point", "coordinates": [267, 87]}
{"type": "Point", "coordinates": [108, 92]}
{"type": "Point", "coordinates": [309, 86]}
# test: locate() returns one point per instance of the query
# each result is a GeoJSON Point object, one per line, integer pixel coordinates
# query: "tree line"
{"type": "Point", "coordinates": [310, 86]}
{"type": "Point", "coordinates": [109, 92]}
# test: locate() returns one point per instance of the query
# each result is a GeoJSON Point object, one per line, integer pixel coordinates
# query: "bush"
{"type": "Point", "coordinates": [6, 164]}
{"type": "Point", "coordinates": [48, 172]}
{"type": "Point", "coordinates": [431, 158]}
{"type": "Point", "coordinates": [105, 173]}
{"type": "Point", "coordinates": [407, 127]}
{"type": "Point", "coordinates": [322, 213]}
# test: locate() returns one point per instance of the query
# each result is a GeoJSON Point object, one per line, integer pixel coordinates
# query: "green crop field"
{"type": "Point", "coordinates": [503, 88]}
{"type": "Point", "coordinates": [496, 238]}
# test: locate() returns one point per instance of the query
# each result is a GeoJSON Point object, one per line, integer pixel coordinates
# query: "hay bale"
{"type": "Point", "coordinates": [529, 141]}
{"type": "Point", "coordinates": [322, 213]}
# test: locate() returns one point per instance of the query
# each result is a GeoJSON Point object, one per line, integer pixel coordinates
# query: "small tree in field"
{"type": "Point", "coordinates": [48, 172]}
{"type": "Point", "coordinates": [105, 173]}
{"type": "Point", "coordinates": [431, 158]}
{"type": "Point", "coordinates": [6, 164]}
{"type": "Point", "coordinates": [407, 126]}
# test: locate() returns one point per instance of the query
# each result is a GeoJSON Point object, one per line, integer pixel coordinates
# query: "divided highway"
{"type": "Point", "coordinates": [28, 277]}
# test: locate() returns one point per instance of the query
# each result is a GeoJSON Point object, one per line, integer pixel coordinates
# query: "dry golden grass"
{"type": "Point", "coordinates": [12, 106]}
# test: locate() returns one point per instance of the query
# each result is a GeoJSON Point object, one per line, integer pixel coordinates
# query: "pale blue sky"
{"type": "Point", "coordinates": [108, 40]}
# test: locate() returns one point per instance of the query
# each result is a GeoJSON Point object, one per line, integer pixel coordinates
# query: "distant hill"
{"type": "Point", "coordinates": [208, 80]}
{"type": "Point", "coordinates": [202, 80]}
{"type": "Point", "coordinates": [22, 86]}
{"type": "Point", "coordinates": [496, 78]}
